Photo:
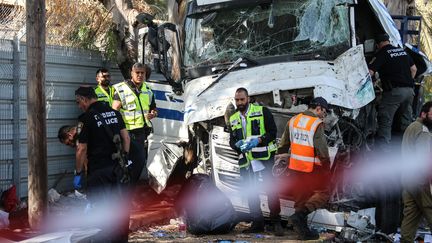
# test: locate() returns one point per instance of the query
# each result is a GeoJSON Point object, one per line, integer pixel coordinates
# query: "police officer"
{"type": "Point", "coordinates": [252, 136]}
{"type": "Point", "coordinates": [309, 164]}
{"type": "Point", "coordinates": [104, 90]}
{"type": "Point", "coordinates": [396, 71]}
{"type": "Point", "coordinates": [135, 101]}
{"type": "Point", "coordinates": [96, 145]}
{"type": "Point", "coordinates": [68, 135]}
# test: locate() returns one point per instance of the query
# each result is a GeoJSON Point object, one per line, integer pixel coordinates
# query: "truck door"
{"type": "Point", "coordinates": [168, 128]}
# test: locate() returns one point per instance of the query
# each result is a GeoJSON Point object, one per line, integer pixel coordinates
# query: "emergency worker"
{"type": "Point", "coordinates": [252, 136]}
{"type": "Point", "coordinates": [397, 71]}
{"type": "Point", "coordinates": [68, 135]}
{"type": "Point", "coordinates": [104, 90]}
{"type": "Point", "coordinates": [136, 102]}
{"type": "Point", "coordinates": [417, 198]}
{"type": "Point", "coordinates": [96, 145]}
{"type": "Point", "coordinates": [308, 164]}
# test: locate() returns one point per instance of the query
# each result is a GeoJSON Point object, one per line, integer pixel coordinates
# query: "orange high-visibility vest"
{"type": "Point", "coordinates": [302, 129]}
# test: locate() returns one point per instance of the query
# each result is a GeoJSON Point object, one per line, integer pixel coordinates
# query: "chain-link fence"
{"type": "Point", "coordinates": [12, 18]}
{"type": "Point", "coordinates": [67, 67]}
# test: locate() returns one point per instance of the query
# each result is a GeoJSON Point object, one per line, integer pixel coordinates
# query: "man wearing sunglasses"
{"type": "Point", "coordinates": [104, 90]}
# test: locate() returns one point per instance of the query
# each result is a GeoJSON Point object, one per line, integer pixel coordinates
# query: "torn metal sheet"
{"type": "Point", "coordinates": [322, 218]}
{"type": "Point", "coordinates": [361, 221]}
{"type": "Point", "coordinates": [163, 164]}
{"type": "Point", "coordinates": [345, 83]}
{"type": "Point", "coordinates": [206, 2]}
{"type": "Point", "coordinates": [351, 67]}
{"type": "Point", "coordinates": [386, 21]}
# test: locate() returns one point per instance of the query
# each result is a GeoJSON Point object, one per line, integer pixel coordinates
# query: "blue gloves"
{"type": "Point", "coordinates": [239, 143]}
{"type": "Point", "coordinates": [245, 147]}
{"type": "Point", "coordinates": [77, 182]}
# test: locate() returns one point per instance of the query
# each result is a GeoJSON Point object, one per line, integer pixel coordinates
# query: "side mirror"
{"type": "Point", "coordinates": [155, 44]}
{"type": "Point", "coordinates": [147, 41]}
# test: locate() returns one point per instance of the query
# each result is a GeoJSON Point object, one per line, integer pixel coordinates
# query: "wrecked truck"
{"type": "Point", "coordinates": [285, 53]}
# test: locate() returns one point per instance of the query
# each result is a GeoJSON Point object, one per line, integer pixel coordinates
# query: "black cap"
{"type": "Point", "coordinates": [381, 37]}
{"type": "Point", "coordinates": [86, 91]}
{"type": "Point", "coordinates": [320, 101]}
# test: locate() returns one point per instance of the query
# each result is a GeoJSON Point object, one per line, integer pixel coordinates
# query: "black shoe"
{"type": "Point", "coordinates": [309, 235]}
{"type": "Point", "coordinates": [257, 227]}
{"type": "Point", "coordinates": [278, 230]}
{"type": "Point", "coordinates": [299, 221]}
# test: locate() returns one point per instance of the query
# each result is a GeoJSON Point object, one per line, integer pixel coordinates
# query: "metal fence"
{"type": "Point", "coordinates": [66, 69]}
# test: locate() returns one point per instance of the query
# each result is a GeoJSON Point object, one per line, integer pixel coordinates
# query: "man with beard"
{"type": "Point", "coordinates": [103, 90]}
{"type": "Point", "coordinates": [68, 135]}
{"type": "Point", "coordinates": [417, 198]}
{"type": "Point", "coordinates": [252, 136]}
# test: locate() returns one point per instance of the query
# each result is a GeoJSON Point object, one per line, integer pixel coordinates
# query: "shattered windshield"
{"type": "Point", "coordinates": [286, 27]}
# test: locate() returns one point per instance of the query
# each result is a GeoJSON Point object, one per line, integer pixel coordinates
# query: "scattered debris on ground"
{"type": "Point", "coordinates": [153, 219]}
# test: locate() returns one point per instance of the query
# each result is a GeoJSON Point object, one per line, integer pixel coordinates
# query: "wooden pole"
{"type": "Point", "coordinates": [36, 113]}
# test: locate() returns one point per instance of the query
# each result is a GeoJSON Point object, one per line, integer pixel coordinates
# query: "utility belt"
{"type": "Point", "coordinates": [388, 85]}
{"type": "Point", "coordinates": [140, 135]}
{"type": "Point", "coordinates": [143, 131]}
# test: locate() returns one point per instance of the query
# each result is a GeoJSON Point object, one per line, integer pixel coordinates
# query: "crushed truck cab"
{"type": "Point", "coordinates": [285, 53]}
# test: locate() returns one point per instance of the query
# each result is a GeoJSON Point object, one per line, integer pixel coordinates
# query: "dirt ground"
{"type": "Point", "coordinates": [169, 233]}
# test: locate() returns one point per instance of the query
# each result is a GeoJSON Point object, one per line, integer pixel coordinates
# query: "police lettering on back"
{"type": "Point", "coordinates": [396, 52]}
{"type": "Point", "coordinates": [109, 118]}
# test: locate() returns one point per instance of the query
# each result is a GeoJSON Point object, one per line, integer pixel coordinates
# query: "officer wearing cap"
{"type": "Point", "coordinates": [309, 164]}
{"type": "Point", "coordinates": [396, 70]}
{"type": "Point", "coordinates": [100, 123]}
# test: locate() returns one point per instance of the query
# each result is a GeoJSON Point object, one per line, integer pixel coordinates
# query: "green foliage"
{"type": "Point", "coordinates": [86, 37]}
{"type": "Point", "coordinates": [428, 89]}
{"type": "Point", "coordinates": [111, 44]}
{"type": "Point", "coordinates": [159, 3]}
{"type": "Point", "coordinates": [82, 37]}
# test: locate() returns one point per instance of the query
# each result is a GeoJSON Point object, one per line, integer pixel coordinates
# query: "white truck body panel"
{"type": "Point", "coordinates": [345, 82]}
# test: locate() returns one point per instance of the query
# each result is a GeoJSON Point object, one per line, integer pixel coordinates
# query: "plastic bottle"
{"type": "Point", "coordinates": [182, 228]}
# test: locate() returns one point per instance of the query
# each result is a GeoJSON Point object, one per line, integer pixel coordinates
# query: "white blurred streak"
{"type": "Point", "coordinates": [77, 223]}
{"type": "Point", "coordinates": [388, 171]}
{"type": "Point", "coordinates": [71, 236]}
